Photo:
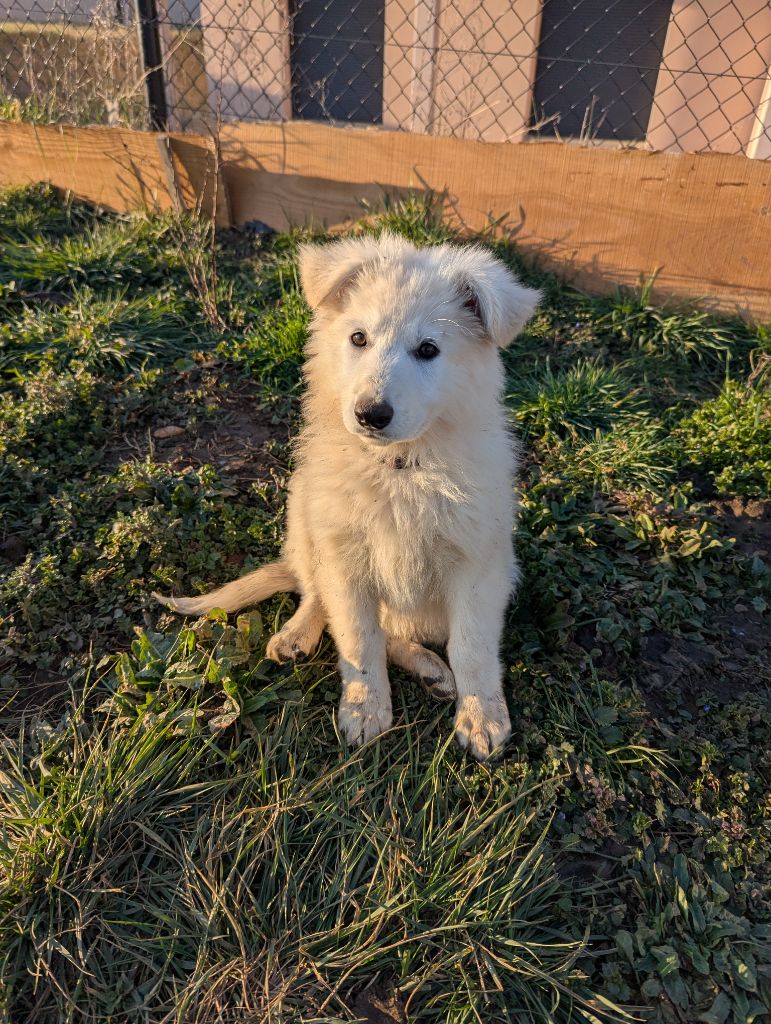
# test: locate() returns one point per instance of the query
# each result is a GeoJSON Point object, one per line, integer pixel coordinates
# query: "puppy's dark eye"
{"type": "Point", "coordinates": [359, 339]}
{"type": "Point", "coordinates": [427, 350]}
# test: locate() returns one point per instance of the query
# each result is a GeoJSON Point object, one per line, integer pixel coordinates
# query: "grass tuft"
{"type": "Point", "coordinates": [35, 211]}
{"type": "Point", "coordinates": [110, 255]}
{"type": "Point", "coordinates": [580, 400]}
{"type": "Point", "coordinates": [629, 457]}
{"type": "Point", "coordinates": [91, 333]}
{"type": "Point", "coordinates": [679, 333]}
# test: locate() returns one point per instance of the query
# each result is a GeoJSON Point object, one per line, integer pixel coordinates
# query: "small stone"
{"type": "Point", "coordinates": [171, 431]}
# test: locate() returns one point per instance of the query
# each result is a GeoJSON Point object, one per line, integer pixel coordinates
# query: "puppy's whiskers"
{"type": "Point", "coordinates": [433, 309]}
{"type": "Point", "coordinates": [448, 320]}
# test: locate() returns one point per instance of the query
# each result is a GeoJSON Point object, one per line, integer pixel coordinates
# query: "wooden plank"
{"type": "Point", "coordinates": [115, 168]}
{"type": "Point", "coordinates": [460, 68]}
{"type": "Point", "coordinates": [716, 58]}
{"type": "Point", "coordinates": [602, 217]}
{"type": "Point", "coordinates": [198, 177]}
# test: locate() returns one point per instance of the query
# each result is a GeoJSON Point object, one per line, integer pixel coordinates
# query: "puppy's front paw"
{"type": "Point", "coordinates": [482, 725]}
{"type": "Point", "coordinates": [363, 713]}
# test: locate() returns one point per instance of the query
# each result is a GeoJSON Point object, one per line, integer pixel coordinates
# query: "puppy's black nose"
{"type": "Point", "coordinates": [374, 414]}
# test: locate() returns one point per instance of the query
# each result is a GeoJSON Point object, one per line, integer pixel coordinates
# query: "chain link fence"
{"type": "Point", "coordinates": [691, 75]}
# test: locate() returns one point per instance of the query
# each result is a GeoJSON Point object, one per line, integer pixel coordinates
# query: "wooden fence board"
{"type": "Point", "coordinates": [603, 217]}
{"type": "Point", "coordinates": [114, 168]}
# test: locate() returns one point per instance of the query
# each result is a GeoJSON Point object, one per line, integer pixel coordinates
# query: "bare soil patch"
{"type": "Point", "coordinates": [749, 521]}
{"type": "Point", "coordinates": [232, 440]}
{"type": "Point", "coordinates": [693, 673]}
{"type": "Point", "coordinates": [380, 1003]}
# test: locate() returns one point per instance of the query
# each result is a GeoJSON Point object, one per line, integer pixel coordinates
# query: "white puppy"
{"type": "Point", "coordinates": [400, 510]}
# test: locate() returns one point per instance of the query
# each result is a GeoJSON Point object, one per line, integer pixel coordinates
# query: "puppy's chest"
{"type": "Point", "coordinates": [411, 535]}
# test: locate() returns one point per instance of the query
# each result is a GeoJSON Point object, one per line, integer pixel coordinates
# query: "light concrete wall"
{"type": "Point", "coordinates": [458, 67]}
{"type": "Point", "coordinates": [246, 50]}
{"type": "Point", "coordinates": [714, 70]}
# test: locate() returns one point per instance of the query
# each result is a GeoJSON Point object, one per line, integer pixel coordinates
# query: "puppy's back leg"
{"type": "Point", "coordinates": [434, 675]}
{"type": "Point", "coordinates": [300, 636]}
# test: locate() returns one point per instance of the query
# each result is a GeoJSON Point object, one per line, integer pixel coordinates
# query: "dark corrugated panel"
{"type": "Point", "coordinates": [337, 60]}
{"type": "Point", "coordinates": [601, 54]}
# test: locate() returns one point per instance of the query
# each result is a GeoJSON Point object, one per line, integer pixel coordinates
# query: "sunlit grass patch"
{"type": "Point", "coordinates": [99, 333]}
{"type": "Point", "coordinates": [28, 212]}
{"type": "Point", "coordinates": [107, 256]}
{"type": "Point", "coordinates": [419, 217]}
{"type": "Point", "coordinates": [272, 347]}
{"type": "Point", "coordinates": [282, 886]}
{"type": "Point", "coordinates": [580, 400]}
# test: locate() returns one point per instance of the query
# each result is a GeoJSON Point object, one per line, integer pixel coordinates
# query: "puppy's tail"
{"type": "Point", "coordinates": [250, 589]}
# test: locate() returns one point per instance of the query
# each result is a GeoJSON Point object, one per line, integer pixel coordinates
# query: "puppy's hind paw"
{"type": "Point", "coordinates": [482, 725]}
{"type": "Point", "coordinates": [362, 714]}
{"type": "Point", "coordinates": [435, 675]}
{"type": "Point", "coordinates": [287, 645]}
{"type": "Point", "coordinates": [436, 678]}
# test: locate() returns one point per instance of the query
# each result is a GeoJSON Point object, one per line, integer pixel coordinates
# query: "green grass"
{"type": "Point", "coordinates": [578, 400]}
{"type": "Point", "coordinates": [183, 838]}
{"type": "Point", "coordinates": [729, 439]}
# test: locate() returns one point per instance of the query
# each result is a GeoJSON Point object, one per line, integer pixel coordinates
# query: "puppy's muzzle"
{"type": "Point", "coordinates": [373, 415]}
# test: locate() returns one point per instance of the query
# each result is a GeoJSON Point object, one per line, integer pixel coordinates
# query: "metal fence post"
{"type": "Point", "coordinates": [152, 63]}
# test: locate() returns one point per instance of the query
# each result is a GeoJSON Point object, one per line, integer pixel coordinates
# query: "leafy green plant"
{"type": "Point", "coordinates": [729, 439]}
{"type": "Point", "coordinates": [710, 964]}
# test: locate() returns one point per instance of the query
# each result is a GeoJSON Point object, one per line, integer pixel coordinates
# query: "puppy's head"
{"type": "Point", "coordinates": [408, 337]}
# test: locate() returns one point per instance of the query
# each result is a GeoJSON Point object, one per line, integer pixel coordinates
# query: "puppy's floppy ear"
{"type": "Point", "coordinates": [492, 293]}
{"type": "Point", "coordinates": [328, 271]}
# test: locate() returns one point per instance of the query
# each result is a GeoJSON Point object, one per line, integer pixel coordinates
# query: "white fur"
{"type": "Point", "coordinates": [402, 537]}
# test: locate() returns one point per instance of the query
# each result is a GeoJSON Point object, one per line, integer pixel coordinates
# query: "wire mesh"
{"type": "Point", "coordinates": [689, 75]}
